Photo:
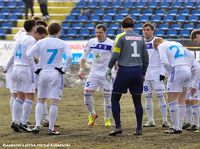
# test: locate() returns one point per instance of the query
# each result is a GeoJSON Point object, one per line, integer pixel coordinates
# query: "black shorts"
{"type": "Point", "coordinates": [129, 78]}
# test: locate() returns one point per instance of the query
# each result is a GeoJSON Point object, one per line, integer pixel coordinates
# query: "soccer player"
{"type": "Point", "coordinates": [131, 55]}
{"type": "Point", "coordinates": [101, 47]}
{"type": "Point", "coordinates": [154, 79]}
{"type": "Point", "coordinates": [173, 57]}
{"type": "Point", "coordinates": [195, 36]}
{"type": "Point", "coordinates": [50, 70]}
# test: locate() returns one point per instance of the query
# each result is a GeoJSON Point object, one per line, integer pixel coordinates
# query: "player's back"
{"type": "Point", "coordinates": [132, 47]}
{"type": "Point", "coordinates": [22, 45]}
{"type": "Point", "coordinates": [50, 52]}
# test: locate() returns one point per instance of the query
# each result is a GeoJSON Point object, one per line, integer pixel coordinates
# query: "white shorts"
{"type": "Point", "coordinates": [150, 86]}
{"type": "Point", "coordinates": [93, 83]}
{"type": "Point", "coordinates": [179, 77]}
{"type": "Point", "coordinates": [23, 79]}
{"type": "Point", "coordinates": [50, 84]}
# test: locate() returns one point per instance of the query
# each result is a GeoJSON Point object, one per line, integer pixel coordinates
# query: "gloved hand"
{"type": "Point", "coordinates": [59, 70]}
{"type": "Point", "coordinates": [38, 71]}
{"type": "Point", "coordinates": [108, 74]}
{"type": "Point", "coordinates": [162, 77]}
{"type": "Point", "coordinates": [81, 73]}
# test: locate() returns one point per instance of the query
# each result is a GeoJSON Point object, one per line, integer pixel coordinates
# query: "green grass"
{"type": "Point", "coordinates": [76, 134]}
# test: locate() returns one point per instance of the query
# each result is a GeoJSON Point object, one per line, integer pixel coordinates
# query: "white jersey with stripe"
{"type": "Point", "coordinates": [50, 51]}
{"type": "Point", "coordinates": [102, 52]}
{"type": "Point", "coordinates": [22, 46]}
{"type": "Point", "coordinates": [155, 68]}
{"type": "Point", "coordinates": [173, 54]}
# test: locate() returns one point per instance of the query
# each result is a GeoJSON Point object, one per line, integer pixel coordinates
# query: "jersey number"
{"type": "Point", "coordinates": [179, 53]}
{"type": "Point", "coordinates": [53, 54]}
{"type": "Point", "coordinates": [134, 54]}
{"type": "Point", "coordinates": [19, 52]}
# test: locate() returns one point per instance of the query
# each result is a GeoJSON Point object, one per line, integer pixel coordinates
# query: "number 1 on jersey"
{"type": "Point", "coordinates": [134, 54]}
{"type": "Point", "coordinates": [54, 52]}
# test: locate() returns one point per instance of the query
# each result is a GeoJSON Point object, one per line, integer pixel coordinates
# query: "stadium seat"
{"type": "Point", "coordinates": [75, 12]}
{"type": "Point", "coordinates": [105, 5]}
{"type": "Point", "coordinates": [107, 18]}
{"type": "Point", "coordinates": [147, 12]}
{"type": "Point", "coordinates": [12, 18]}
{"type": "Point", "coordinates": [184, 12]}
{"type": "Point", "coordinates": [99, 12]}
{"type": "Point", "coordinates": [159, 33]}
{"type": "Point", "coordinates": [111, 12]}
{"type": "Point", "coordinates": [110, 33]}
{"type": "Point", "coordinates": [18, 11]}
{"type": "Point", "coordinates": [118, 32]}
{"type": "Point", "coordinates": [135, 12]}
{"type": "Point", "coordinates": [2, 4]}
{"type": "Point", "coordinates": [95, 18]}
{"type": "Point", "coordinates": [152, 5]}
{"type": "Point", "coordinates": [6, 25]}
{"type": "Point", "coordinates": [116, 4]}
{"type": "Point", "coordinates": [118, 18]}
{"type": "Point", "coordinates": [89, 26]}
{"type": "Point", "coordinates": [72, 32]}
{"type": "Point", "coordinates": [196, 12]}
{"type": "Point", "coordinates": [140, 5]}
{"type": "Point", "coordinates": [11, 5]}
{"type": "Point", "coordinates": [114, 26]}
{"type": "Point", "coordinates": [177, 5]}
{"type": "Point", "coordinates": [84, 33]}
{"type": "Point", "coordinates": [92, 5]}
{"type": "Point", "coordinates": [2, 18]}
{"type": "Point", "coordinates": [176, 26]}
{"type": "Point", "coordinates": [163, 26]}
{"type": "Point", "coordinates": [2, 32]}
{"type": "Point", "coordinates": [156, 19]}
{"type": "Point", "coordinates": [172, 34]}
{"type": "Point", "coordinates": [66, 25]}
{"type": "Point", "coordinates": [172, 12]}
{"type": "Point", "coordinates": [188, 27]}
{"type": "Point", "coordinates": [70, 18]}
{"type": "Point", "coordinates": [77, 25]}
{"type": "Point", "coordinates": [128, 4]}
{"type": "Point", "coordinates": [5, 11]}
{"type": "Point", "coordinates": [138, 26]}
{"type": "Point", "coordinates": [123, 12]}
{"type": "Point", "coordinates": [82, 18]}
{"type": "Point", "coordinates": [81, 4]}
{"type": "Point", "coordinates": [159, 12]}
{"type": "Point", "coordinates": [168, 18]}
{"type": "Point", "coordinates": [185, 33]}
{"type": "Point", "coordinates": [188, 4]}
{"type": "Point", "coordinates": [143, 19]}
{"type": "Point", "coordinates": [193, 18]}
{"type": "Point", "coordinates": [180, 18]}
{"type": "Point", "coordinates": [164, 5]}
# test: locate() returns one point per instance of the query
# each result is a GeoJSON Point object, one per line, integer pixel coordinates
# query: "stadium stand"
{"type": "Point", "coordinates": [172, 18]}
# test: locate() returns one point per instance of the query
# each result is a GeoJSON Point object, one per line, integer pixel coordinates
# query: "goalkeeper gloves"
{"type": "Point", "coordinates": [60, 70]}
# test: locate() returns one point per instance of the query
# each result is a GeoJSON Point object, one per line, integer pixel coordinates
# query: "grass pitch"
{"type": "Point", "coordinates": [76, 134]}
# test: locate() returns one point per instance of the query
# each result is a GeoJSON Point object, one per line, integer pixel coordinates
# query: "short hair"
{"type": "Point", "coordinates": [102, 26]}
{"type": "Point", "coordinates": [54, 28]}
{"type": "Point", "coordinates": [41, 22]}
{"type": "Point", "coordinates": [157, 42]}
{"type": "Point", "coordinates": [29, 24]}
{"type": "Point", "coordinates": [41, 30]}
{"type": "Point", "coordinates": [148, 24]}
{"type": "Point", "coordinates": [127, 22]}
{"type": "Point", "coordinates": [194, 34]}
{"type": "Point", "coordinates": [36, 18]}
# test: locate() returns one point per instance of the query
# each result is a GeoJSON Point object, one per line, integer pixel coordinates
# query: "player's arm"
{"type": "Point", "coordinates": [68, 63]}
{"type": "Point", "coordinates": [83, 59]}
{"type": "Point", "coordinates": [145, 58]}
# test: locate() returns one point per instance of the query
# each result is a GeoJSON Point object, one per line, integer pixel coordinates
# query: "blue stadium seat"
{"type": "Point", "coordinates": [95, 18]}
{"type": "Point", "coordinates": [2, 32]}
{"type": "Point", "coordinates": [5, 11]}
{"type": "Point", "coordinates": [111, 12]}
{"type": "Point", "coordinates": [105, 4]}
{"type": "Point", "coordinates": [159, 12]}
{"type": "Point", "coordinates": [2, 18]}
{"type": "Point", "coordinates": [75, 12]}
{"type": "Point", "coordinates": [138, 26]}
{"type": "Point", "coordinates": [188, 27]}
{"type": "Point", "coordinates": [107, 18]}
{"type": "Point", "coordinates": [116, 4]}
{"type": "Point", "coordinates": [2, 4]}
{"type": "Point", "coordinates": [135, 12]}
{"type": "Point", "coordinates": [156, 19]}
{"type": "Point", "coordinates": [188, 4]}
{"type": "Point", "coordinates": [84, 33]}
{"type": "Point", "coordinates": [11, 5]}
{"type": "Point", "coordinates": [81, 4]}
{"type": "Point", "coordinates": [110, 32]}
{"type": "Point", "coordinates": [176, 26]}
{"type": "Point", "coordinates": [147, 12]}
{"type": "Point", "coordinates": [89, 26]}
{"type": "Point", "coordinates": [172, 34]}
{"type": "Point", "coordinates": [71, 18]}
{"type": "Point", "coordinates": [92, 5]}
{"type": "Point", "coordinates": [6, 25]}
{"type": "Point", "coordinates": [172, 12]}
{"type": "Point", "coordinates": [77, 25]}
{"type": "Point", "coordinates": [99, 12]}
{"type": "Point", "coordinates": [193, 18]}
{"type": "Point", "coordinates": [140, 5]}
{"type": "Point", "coordinates": [180, 18]}
{"type": "Point", "coordinates": [152, 5]}
{"type": "Point", "coordinates": [185, 33]}
{"type": "Point", "coordinates": [168, 18]}
{"type": "Point", "coordinates": [177, 5]}
{"type": "Point", "coordinates": [164, 5]}
{"type": "Point", "coordinates": [196, 12]}
{"type": "Point", "coordinates": [118, 18]}
{"type": "Point", "coordinates": [114, 26]}
{"type": "Point", "coordinates": [128, 5]}
{"type": "Point", "coordinates": [82, 18]}
{"type": "Point", "coordinates": [163, 26]}
{"type": "Point", "coordinates": [12, 18]}
{"type": "Point", "coordinates": [123, 12]}
{"type": "Point", "coordinates": [72, 32]}
{"type": "Point", "coordinates": [184, 12]}
{"type": "Point", "coordinates": [66, 25]}
{"type": "Point", "coordinates": [18, 11]}
{"type": "Point", "coordinates": [159, 33]}
{"type": "Point", "coordinates": [118, 32]}
{"type": "Point", "coordinates": [144, 19]}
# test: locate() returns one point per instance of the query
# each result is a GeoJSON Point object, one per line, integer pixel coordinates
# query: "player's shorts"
{"type": "Point", "coordinates": [50, 84]}
{"type": "Point", "coordinates": [93, 83]}
{"type": "Point", "coordinates": [179, 77]}
{"type": "Point", "coordinates": [151, 86]}
{"type": "Point", "coordinates": [129, 78]}
{"type": "Point", "coordinates": [23, 79]}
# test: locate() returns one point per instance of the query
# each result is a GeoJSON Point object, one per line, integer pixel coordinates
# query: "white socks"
{"type": "Point", "coordinates": [162, 106]}
{"type": "Point", "coordinates": [17, 108]}
{"type": "Point", "coordinates": [53, 111]}
{"type": "Point", "coordinates": [12, 99]}
{"type": "Point", "coordinates": [26, 110]}
{"type": "Point", "coordinates": [45, 112]}
{"type": "Point", "coordinates": [107, 105]}
{"type": "Point", "coordinates": [149, 107]}
{"type": "Point", "coordinates": [38, 113]}
{"type": "Point", "coordinates": [181, 114]}
{"type": "Point", "coordinates": [88, 100]}
{"type": "Point", "coordinates": [173, 110]}
{"type": "Point", "coordinates": [188, 114]}
{"type": "Point", "coordinates": [195, 113]}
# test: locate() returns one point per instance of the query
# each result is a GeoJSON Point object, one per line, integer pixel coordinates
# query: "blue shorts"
{"type": "Point", "coordinates": [129, 78]}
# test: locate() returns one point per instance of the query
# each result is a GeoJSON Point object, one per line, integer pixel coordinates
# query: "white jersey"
{"type": "Point", "coordinates": [155, 68]}
{"type": "Point", "coordinates": [50, 51]}
{"type": "Point", "coordinates": [172, 54]}
{"type": "Point", "coordinates": [102, 52]}
{"type": "Point", "coordinates": [195, 81]}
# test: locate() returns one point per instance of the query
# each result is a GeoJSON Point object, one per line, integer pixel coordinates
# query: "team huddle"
{"type": "Point", "coordinates": [130, 63]}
